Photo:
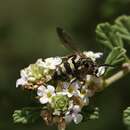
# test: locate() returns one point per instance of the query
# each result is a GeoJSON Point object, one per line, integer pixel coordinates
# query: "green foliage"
{"type": "Point", "coordinates": [90, 113]}
{"type": "Point", "coordinates": [126, 117]}
{"type": "Point", "coordinates": [116, 56]}
{"type": "Point", "coordinates": [26, 115]}
{"type": "Point", "coordinates": [108, 35]}
{"type": "Point", "coordinates": [113, 35]}
{"type": "Point", "coordinates": [122, 25]}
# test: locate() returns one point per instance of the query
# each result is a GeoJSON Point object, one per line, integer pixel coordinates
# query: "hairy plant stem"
{"type": "Point", "coordinates": [125, 70]}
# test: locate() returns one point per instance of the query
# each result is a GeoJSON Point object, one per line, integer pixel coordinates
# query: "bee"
{"type": "Point", "coordinates": [76, 65]}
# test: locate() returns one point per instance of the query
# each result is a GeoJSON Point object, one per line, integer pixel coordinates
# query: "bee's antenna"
{"type": "Point", "coordinates": [108, 65]}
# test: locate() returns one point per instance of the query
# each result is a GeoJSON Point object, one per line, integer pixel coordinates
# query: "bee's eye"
{"type": "Point", "coordinates": [100, 71]}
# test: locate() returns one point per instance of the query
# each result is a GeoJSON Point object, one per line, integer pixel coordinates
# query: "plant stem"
{"type": "Point", "coordinates": [125, 70]}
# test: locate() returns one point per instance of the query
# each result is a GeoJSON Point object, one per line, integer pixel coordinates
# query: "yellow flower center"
{"type": "Point", "coordinates": [49, 94]}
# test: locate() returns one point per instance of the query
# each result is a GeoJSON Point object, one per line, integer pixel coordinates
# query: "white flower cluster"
{"type": "Point", "coordinates": [62, 98]}
{"type": "Point", "coordinates": [66, 99]}
{"type": "Point", "coordinates": [40, 72]}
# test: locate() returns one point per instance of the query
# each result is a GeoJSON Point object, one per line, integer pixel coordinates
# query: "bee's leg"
{"type": "Point", "coordinates": [82, 82]}
{"type": "Point", "coordinates": [73, 80]}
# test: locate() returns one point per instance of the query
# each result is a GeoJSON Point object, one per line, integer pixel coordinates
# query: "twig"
{"type": "Point", "coordinates": [125, 70]}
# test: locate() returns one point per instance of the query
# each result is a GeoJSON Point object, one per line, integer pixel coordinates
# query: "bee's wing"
{"type": "Point", "coordinates": [66, 39]}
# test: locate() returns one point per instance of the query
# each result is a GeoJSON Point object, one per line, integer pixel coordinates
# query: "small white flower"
{"type": "Point", "coordinates": [23, 74]}
{"type": "Point", "coordinates": [77, 118]}
{"type": "Point", "coordinates": [76, 109]}
{"type": "Point", "coordinates": [65, 85]}
{"type": "Point", "coordinates": [74, 115]}
{"type": "Point", "coordinates": [45, 93]}
{"type": "Point", "coordinates": [72, 89]}
{"type": "Point", "coordinates": [51, 62]}
{"type": "Point", "coordinates": [73, 108]}
{"type": "Point", "coordinates": [92, 55]}
{"type": "Point", "coordinates": [40, 62]}
{"type": "Point", "coordinates": [23, 80]}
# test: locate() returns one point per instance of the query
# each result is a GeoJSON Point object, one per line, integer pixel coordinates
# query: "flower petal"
{"type": "Point", "coordinates": [41, 90]}
{"type": "Point", "coordinates": [52, 62]}
{"type": "Point", "coordinates": [76, 108]}
{"type": "Point", "coordinates": [76, 85]}
{"type": "Point", "coordinates": [23, 74]}
{"type": "Point", "coordinates": [69, 94]}
{"type": "Point", "coordinates": [57, 61]}
{"type": "Point", "coordinates": [40, 63]}
{"type": "Point", "coordinates": [21, 82]}
{"type": "Point", "coordinates": [51, 88]}
{"type": "Point", "coordinates": [65, 85]}
{"type": "Point", "coordinates": [78, 118]}
{"type": "Point", "coordinates": [43, 100]}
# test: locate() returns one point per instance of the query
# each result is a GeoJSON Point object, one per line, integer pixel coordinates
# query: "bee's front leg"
{"type": "Point", "coordinates": [82, 82]}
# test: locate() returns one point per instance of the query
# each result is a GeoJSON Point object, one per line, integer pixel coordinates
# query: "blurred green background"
{"type": "Point", "coordinates": [27, 32]}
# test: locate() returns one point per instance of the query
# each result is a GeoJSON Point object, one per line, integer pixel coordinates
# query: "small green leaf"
{"type": "Point", "coordinates": [116, 56]}
{"type": "Point", "coordinates": [26, 115]}
{"type": "Point", "coordinates": [90, 113]}
{"type": "Point", "coordinates": [113, 35]}
{"type": "Point", "coordinates": [126, 117]}
{"type": "Point", "coordinates": [122, 25]}
{"type": "Point", "coordinates": [108, 35]}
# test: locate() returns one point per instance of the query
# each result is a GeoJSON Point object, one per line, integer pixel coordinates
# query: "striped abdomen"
{"type": "Point", "coordinates": [68, 68]}
{"type": "Point", "coordinates": [75, 66]}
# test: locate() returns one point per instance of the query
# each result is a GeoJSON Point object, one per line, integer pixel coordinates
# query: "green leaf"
{"type": "Point", "coordinates": [108, 36]}
{"type": "Point", "coordinates": [113, 35]}
{"type": "Point", "coordinates": [122, 25]}
{"type": "Point", "coordinates": [126, 117]}
{"type": "Point", "coordinates": [26, 115]}
{"type": "Point", "coordinates": [90, 113]}
{"type": "Point", "coordinates": [116, 56]}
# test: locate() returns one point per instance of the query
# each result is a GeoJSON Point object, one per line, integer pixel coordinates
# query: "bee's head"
{"type": "Point", "coordinates": [99, 71]}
